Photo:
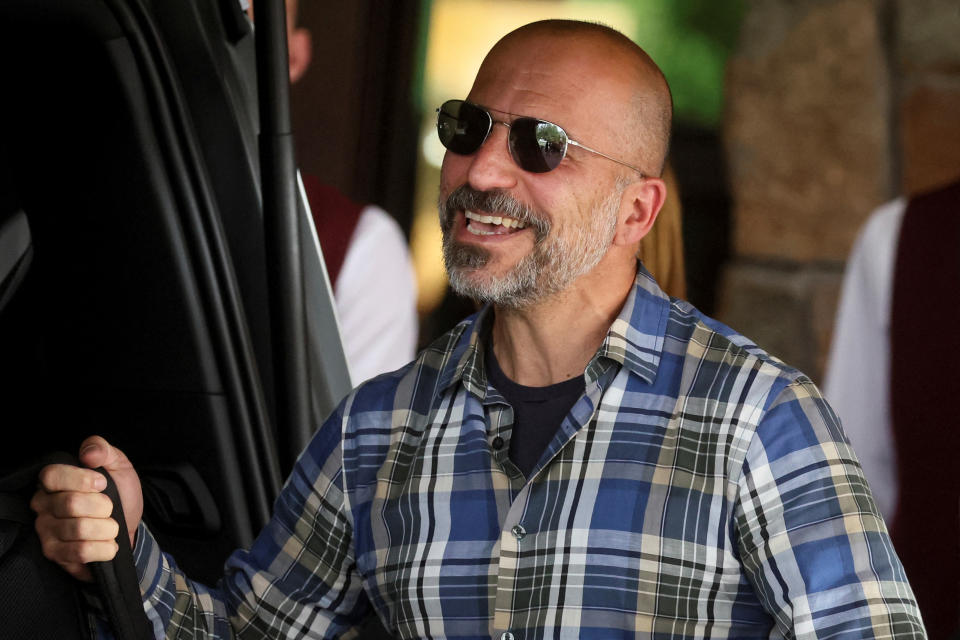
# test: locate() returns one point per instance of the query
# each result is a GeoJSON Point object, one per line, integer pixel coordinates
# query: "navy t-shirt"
{"type": "Point", "coordinates": [537, 411]}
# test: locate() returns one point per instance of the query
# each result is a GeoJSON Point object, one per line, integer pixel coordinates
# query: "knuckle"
{"type": "Point", "coordinates": [73, 504]}
{"type": "Point", "coordinates": [56, 506]}
{"type": "Point", "coordinates": [47, 476]}
{"type": "Point", "coordinates": [73, 552]}
{"type": "Point", "coordinates": [38, 502]}
{"type": "Point", "coordinates": [79, 529]}
{"type": "Point", "coordinates": [104, 505]}
{"type": "Point", "coordinates": [87, 481]}
{"type": "Point", "coordinates": [49, 547]}
{"type": "Point", "coordinates": [43, 525]}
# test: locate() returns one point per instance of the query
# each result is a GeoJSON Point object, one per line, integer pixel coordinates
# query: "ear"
{"type": "Point", "coordinates": [300, 47]}
{"type": "Point", "coordinates": [639, 206]}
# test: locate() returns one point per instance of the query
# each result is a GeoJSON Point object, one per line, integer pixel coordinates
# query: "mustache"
{"type": "Point", "coordinates": [495, 201]}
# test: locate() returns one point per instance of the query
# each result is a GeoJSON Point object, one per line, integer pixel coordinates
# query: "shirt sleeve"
{"type": "Point", "coordinates": [298, 579]}
{"type": "Point", "coordinates": [376, 296]}
{"type": "Point", "coordinates": [810, 537]}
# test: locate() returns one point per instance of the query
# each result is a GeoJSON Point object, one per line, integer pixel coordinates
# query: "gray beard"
{"type": "Point", "coordinates": [553, 264]}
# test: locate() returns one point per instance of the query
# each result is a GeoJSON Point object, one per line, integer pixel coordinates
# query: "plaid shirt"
{"type": "Point", "coordinates": [699, 487]}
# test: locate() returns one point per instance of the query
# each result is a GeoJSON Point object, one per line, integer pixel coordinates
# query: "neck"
{"type": "Point", "coordinates": [555, 339]}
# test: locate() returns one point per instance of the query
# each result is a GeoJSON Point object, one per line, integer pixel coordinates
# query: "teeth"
{"type": "Point", "coordinates": [498, 220]}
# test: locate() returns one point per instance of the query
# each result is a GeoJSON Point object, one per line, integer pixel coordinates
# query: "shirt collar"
{"type": "Point", "coordinates": [634, 340]}
{"type": "Point", "coordinates": [465, 361]}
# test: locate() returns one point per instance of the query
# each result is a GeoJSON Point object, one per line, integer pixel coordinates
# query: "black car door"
{"type": "Point", "coordinates": [135, 305]}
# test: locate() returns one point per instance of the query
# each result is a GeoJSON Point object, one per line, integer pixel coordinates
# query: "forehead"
{"type": "Point", "coordinates": [577, 82]}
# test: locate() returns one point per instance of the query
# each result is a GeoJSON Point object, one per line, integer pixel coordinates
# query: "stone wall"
{"type": "Point", "coordinates": [833, 107]}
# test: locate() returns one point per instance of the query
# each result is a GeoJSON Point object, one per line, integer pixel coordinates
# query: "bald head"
{"type": "Point", "coordinates": [616, 79]}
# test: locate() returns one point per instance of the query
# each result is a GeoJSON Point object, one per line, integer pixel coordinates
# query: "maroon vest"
{"type": "Point", "coordinates": [924, 385]}
{"type": "Point", "coordinates": [335, 217]}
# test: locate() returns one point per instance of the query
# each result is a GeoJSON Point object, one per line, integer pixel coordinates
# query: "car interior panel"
{"type": "Point", "coordinates": [140, 308]}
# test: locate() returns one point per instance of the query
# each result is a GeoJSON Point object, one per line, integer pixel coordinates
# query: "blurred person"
{"type": "Point", "coordinates": [366, 256]}
{"type": "Point", "coordinates": [892, 377]}
{"type": "Point", "coordinates": [583, 457]}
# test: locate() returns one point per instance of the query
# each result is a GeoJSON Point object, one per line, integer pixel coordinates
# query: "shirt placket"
{"type": "Point", "coordinates": [515, 532]}
{"type": "Point", "coordinates": [512, 535]}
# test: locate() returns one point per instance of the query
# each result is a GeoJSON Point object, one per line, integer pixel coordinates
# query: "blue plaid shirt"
{"type": "Point", "coordinates": [698, 488]}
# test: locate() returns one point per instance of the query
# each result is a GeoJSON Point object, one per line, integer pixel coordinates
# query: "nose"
{"type": "Point", "coordinates": [491, 166]}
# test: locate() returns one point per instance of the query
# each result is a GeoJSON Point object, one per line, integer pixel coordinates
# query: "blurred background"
{"type": "Point", "coordinates": [794, 120]}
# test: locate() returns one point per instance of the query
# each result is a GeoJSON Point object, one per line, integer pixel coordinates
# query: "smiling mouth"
{"type": "Point", "coordinates": [482, 224]}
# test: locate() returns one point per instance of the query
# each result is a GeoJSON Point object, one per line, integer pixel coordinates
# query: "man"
{"type": "Point", "coordinates": [673, 480]}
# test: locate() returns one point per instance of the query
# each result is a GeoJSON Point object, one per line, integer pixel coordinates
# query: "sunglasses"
{"type": "Point", "coordinates": [536, 145]}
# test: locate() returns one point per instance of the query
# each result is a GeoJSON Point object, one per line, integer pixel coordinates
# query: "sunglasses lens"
{"type": "Point", "coordinates": [462, 126]}
{"type": "Point", "coordinates": [537, 146]}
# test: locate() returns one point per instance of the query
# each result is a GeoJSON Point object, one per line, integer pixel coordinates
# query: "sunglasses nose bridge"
{"type": "Point", "coordinates": [514, 145]}
{"type": "Point", "coordinates": [492, 165]}
{"type": "Point", "coordinates": [507, 132]}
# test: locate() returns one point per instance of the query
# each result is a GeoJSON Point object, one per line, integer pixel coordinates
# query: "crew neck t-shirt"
{"type": "Point", "coordinates": [537, 411]}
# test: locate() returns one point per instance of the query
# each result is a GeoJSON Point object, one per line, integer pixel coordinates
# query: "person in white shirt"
{"type": "Point", "coordinates": [857, 379]}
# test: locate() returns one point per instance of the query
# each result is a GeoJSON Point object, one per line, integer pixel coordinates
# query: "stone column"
{"type": "Point", "coordinates": [809, 138]}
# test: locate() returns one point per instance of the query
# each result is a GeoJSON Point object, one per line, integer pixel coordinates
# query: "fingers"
{"type": "Point", "coordinates": [68, 530]}
{"type": "Point", "coordinates": [72, 504]}
{"type": "Point", "coordinates": [64, 477]}
{"type": "Point", "coordinates": [72, 540]}
{"type": "Point", "coordinates": [78, 552]}
{"type": "Point", "coordinates": [73, 518]}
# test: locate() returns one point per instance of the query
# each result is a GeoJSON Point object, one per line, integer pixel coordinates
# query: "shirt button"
{"type": "Point", "coordinates": [518, 532]}
{"type": "Point", "coordinates": [506, 635]}
{"type": "Point", "coordinates": [497, 443]}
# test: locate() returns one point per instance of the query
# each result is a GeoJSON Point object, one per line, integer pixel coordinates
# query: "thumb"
{"type": "Point", "coordinates": [97, 452]}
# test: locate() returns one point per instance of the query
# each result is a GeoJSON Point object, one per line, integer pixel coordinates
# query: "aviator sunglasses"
{"type": "Point", "coordinates": [536, 145]}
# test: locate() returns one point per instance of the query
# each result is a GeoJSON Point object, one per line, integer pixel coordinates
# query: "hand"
{"type": "Point", "coordinates": [73, 517]}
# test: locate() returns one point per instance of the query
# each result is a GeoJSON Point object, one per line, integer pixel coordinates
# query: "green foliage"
{"type": "Point", "coordinates": [690, 40]}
